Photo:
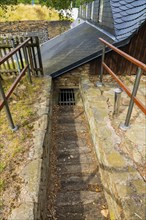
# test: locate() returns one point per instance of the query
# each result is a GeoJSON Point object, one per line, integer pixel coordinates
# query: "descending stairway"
{"type": "Point", "coordinates": [75, 191]}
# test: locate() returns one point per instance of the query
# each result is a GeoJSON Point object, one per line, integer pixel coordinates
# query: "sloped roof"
{"type": "Point", "coordinates": [72, 48]}
{"type": "Point", "coordinates": [128, 16]}
{"type": "Point", "coordinates": [120, 20]}
{"type": "Point", "coordinates": [120, 17]}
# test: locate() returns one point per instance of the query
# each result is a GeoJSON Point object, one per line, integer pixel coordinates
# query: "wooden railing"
{"type": "Point", "coordinates": [4, 102]}
{"type": "Point", "coordinates": [141, 66]}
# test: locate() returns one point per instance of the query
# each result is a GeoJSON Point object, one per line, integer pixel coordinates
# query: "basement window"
{"type": "Point", "coordinates": [66, 97]}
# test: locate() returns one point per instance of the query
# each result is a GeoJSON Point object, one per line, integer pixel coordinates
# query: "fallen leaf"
{"type": "Point", "coordinates": [104, 212]}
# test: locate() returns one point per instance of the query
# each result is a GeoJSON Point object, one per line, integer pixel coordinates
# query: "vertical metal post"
{"type": "Point", "coordinates": [125, 126]}
{"type": "Point", "coordinates": [117, 99]}
{"type": "Point", "coordinates": [16, 56]}
{"type": "Point", "coordinates": [102, 60]}
{"type": "Point", "coordinates": [8, 113]}
{"type": "Point", "coordinates": [98, 84]}
{"type": "Point", "coordinates": [27, 62]}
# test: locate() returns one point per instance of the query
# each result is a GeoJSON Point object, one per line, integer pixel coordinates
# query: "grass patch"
{"type": "Point", "coordinates": [15, 146]}
{"type": "Point", "coordinates": [23, 12]}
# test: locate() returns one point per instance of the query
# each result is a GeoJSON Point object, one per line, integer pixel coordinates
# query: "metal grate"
{"type": "Point", "coordinates": [66, 97]}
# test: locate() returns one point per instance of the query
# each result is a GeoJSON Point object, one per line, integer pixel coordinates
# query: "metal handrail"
{"type": "Point", "coordinates": [141, 66]}
{"type": "Point", "coordinates": [4, 102]}
{"type": "Point", "coordinates": [125, 55]}
{"type": "Point", "coordinates": [136, 100]}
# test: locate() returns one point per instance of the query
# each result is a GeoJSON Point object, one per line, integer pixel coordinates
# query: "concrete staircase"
{"type": "Point", "coordinates": [75, 191]}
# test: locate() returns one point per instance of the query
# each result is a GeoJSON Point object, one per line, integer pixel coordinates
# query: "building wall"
{"type": "Point", "coordinates": [106, 18]}
{"type": "Point", "coordinates": [136, 48]}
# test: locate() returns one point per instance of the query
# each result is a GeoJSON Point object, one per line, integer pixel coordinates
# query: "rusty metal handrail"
{"type": "Point", "coordinates": [141, 66]}
{"type": "Point", "coordinates": [4, 101]}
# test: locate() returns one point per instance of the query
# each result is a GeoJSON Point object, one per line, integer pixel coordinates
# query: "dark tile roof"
{"type": "Point", "coordinates": [128, 16]}
{"type": "Point", "coordinates": [120, 17]}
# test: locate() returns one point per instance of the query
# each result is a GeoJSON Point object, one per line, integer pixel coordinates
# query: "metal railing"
{"type": "Point", "coordinates": [141, 66]}
{"type": "Point", "coordinates": [5, 97]}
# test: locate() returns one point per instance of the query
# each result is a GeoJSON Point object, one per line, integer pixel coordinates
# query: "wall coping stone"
{"type": "Point", "coordinates": [123, 186]}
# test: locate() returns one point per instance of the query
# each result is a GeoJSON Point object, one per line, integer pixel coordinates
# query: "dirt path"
{"type": "Point", "coordinates": [75, 190]}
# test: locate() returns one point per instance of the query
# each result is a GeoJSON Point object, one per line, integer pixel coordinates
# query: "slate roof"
{"type": "Point", "coordinates": [121, 19]}
{"type": "Point", "coordinates": [128, 16]}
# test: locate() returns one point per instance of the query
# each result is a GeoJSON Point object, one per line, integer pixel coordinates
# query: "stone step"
{"type": "Point", "coordinates": [79, 208]}
{"type": "Point", "coordinates": [71, 198]}
{"type": "Point", "coordinates": [74, 151]}
{"type": "Point", "coordinates": [67, 120]}
{"type": "Point", "coordinates": [73, 114]}
{"type": "Point", "coordinates": [92, 178]}
{"type": "Point", "coordinates": [76, 169]}
{"type": "Point", "coordinates": [88, 212]}
{"type": "Point", "coordinates": [78, 183]}
{"type": "Point", "coordinates": [72, 132]}
{"type": "Point", "coordinates": [80, 195]}
{"type": "Point", "coordinates": [64, 158]}
{"type": "Point", "coordinates": [70, 216]}
{"type": "Point", "coordinates": [78, 216]}
{"type": "Point", "coordinates": [72, 127]}
{"type": "Point", "coordinates": [73, 144]}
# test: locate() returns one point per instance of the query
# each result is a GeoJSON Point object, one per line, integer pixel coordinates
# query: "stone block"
{"type": "Point", "coordinates": [24, 212]}
{"type": "Point", "coordinates": [31, 175]}
{"type": "Point", "coordinates": [121, 181]}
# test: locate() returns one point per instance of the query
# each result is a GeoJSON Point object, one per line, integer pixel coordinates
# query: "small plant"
{"type": "Point", "coordinates": [2, 167]}
{"type": "Point", "coordinates": [2, 184]}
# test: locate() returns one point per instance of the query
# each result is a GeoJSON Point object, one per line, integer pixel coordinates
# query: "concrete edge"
{"type": "Point", "coordinates": [30, 198]}
{"type": "Point", "coordinates": [120, 179]}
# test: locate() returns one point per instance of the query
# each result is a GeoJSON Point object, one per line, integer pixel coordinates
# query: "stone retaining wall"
{"type": "Point", "coordinates": [35, 174]}
{"type": "Point", "coordinates": [123, 185]}
{"type": "Point", "coordinates": [70, 79]}
{"type": "Point", "coordinates": [43, 29]}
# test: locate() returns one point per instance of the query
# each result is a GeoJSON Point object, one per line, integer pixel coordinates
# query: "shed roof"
{"type": "Point", "coordinates": [71, 49]}
{"type": "Point", "coordinates": [80, 44]}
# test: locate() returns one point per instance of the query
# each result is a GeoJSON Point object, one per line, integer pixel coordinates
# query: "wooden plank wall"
{"type": "Point", "coordinates": [135, 48]}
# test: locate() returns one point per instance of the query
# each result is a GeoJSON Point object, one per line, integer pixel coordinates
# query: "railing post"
{"type": "Point", "coordinates": [117, 99]}
{"type": "Point", "coordinates": [16, 56]}
{"type": "Point", "coordinates": [101, 69]}
{"type": "Point", "coordinates": [8, 113]}
{"type": "Point", "coordinates": [27, 62]}
{"type": "Point", "coordinates": [125, 126]}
